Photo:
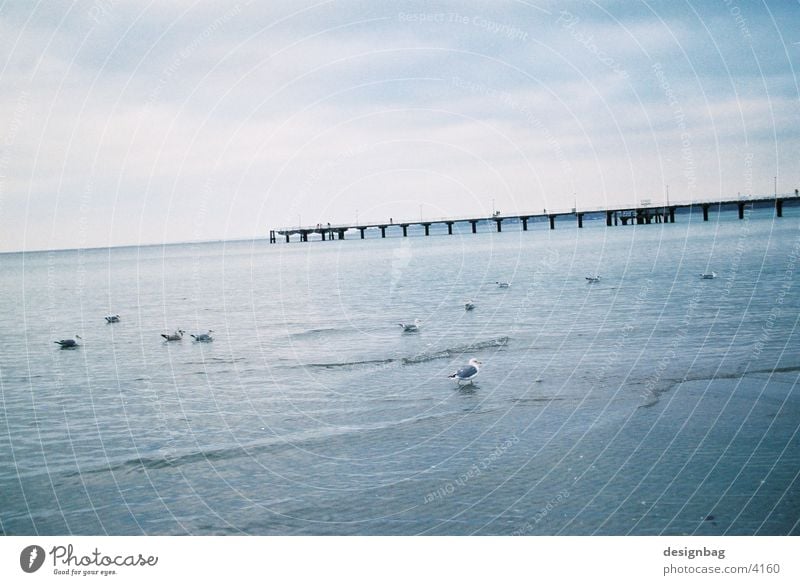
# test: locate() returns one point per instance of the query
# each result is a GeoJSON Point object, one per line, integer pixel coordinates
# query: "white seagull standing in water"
{"type": "Point", "coordinates": [68, 343]}
{"type": "Point", "coordinates": [204, 337]}
{"type": "Point", "coordinates": [466, 373]}
{"type": "Point", "coordinates": [411, 327]}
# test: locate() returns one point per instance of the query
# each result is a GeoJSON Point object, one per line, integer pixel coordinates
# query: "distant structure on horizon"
{"type": "Point", "coordinates": [644, 214]}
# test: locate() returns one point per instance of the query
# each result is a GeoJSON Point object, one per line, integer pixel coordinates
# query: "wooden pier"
{"type": "Point", "coordinates": [643, 215]}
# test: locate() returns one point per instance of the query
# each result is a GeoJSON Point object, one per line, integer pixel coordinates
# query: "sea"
{"type": "Point", "coordinates": [651, 402]}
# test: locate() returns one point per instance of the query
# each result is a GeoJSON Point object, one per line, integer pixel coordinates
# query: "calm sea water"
{"type": "Point", "coordinates": [653, 402]}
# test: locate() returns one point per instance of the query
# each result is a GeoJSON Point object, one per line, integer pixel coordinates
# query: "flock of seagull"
{"type": "Point", "coordinates": [177, 335]}
{"type": "Point", "coordinates": [464, 374]}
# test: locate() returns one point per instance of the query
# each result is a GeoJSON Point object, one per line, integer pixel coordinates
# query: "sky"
{"type": "Point", "coordinates": [134, 122]}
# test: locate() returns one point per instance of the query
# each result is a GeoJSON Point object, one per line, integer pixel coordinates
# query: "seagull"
{"type": "Point", "coordinates": [708, 275]}
{"type": "Point", "coordinates": [112, 318]}
{"type": "Point", "coordinates": [466, 373]}
{"type": "Point", "coordinates": [68, 343]}
{"type": "Point", "coordinates": [411, 327]}
{"type": "Point", "coordinates": [177, 336]}
{"type": "Point", "coordinates": [204, 336]}
{"type": "Point", "coordinates": [469, 305]}
{"type": "Point", "coordinates": [503, 284]}
{"type": "Point", "coordinates": [595, 278]}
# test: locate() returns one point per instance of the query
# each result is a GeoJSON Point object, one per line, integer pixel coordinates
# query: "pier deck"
{"type": "Point", "coordinates": [614, 216]}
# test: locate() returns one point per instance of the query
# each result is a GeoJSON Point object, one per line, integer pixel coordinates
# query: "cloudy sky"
{"type": "Point", "coordinates": [134, 122]}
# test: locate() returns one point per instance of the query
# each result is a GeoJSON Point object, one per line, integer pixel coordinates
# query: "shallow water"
{"type": "Point", "coordinates": [652, 402]}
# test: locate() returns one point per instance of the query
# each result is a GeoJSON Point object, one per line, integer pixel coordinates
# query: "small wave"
{"type": "Point", "coordinates": [317, 332]}
{"type": "Point", "coordinates": [29, 378]}
{"type": "Point", "coordinates": [786, 370]}
{"type": "Point", "coordinates": [351, 364]}
{"type": "Point", "coordinates": [215, 360]}
{"type": "Point", "coordinates": [457, 350]}
{"type": "Point", "coordinates": [742, 374]}
{"type": "Point", "coordinates": [168, 460]}
{"type": "Point", "coordinates": [653, 396]}
{"type": "Point", "coordinates": [540, 400]}
{"type": "Point", "coordinates": [415, 359]}
{"type": "Point", "coordinates": [427, 357]}
{"type": "Point", "coordinates": [177, 457]}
